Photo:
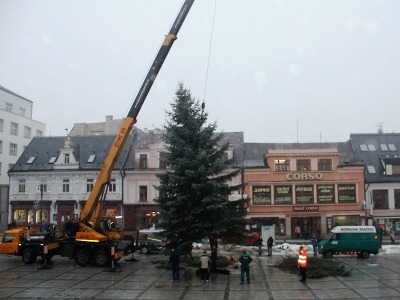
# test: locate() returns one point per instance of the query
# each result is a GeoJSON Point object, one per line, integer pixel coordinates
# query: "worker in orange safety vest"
{"type": "Point", "coordinates": [302, 262]}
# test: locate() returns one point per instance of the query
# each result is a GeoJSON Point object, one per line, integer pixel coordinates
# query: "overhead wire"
{"type": "Point", "coordinates": [203, 105]}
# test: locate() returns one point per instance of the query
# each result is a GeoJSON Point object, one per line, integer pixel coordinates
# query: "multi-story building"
{"type": "Point", "coordinates": [17, 128]}
{"type": "Point", "coordinates": [303, 189]}
{"type": "Point", "coordinates": [380, 153]}
{"type": "Point", "coordinates": [54, 176]}
{"type": "Point", "coordinates": [67, 168]}
{"type": "Point", "coordinates": [146, 160]}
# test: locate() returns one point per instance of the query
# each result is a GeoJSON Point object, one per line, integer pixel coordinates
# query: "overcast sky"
{"type": "Point", "coordinates": [280, 70]}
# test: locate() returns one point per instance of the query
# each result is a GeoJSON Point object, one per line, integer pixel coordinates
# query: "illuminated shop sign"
{"type": "Point", "coordinates": [304, 194]}
{"type": "Point", "coordinates": [262, 195]}
{"type": "Point", "coordinates": [326, 193]}
{"type": "Point", "coordinates": [283, 194]}
{"type": "Point", "coordinates": [306, 208]}
{"type": "Point", "coordinates": [304, 176]}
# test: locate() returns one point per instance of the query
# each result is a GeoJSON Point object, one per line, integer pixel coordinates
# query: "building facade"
{"type": "Point", "coordinates": [54, 176]}
{"type": "Point", "coordinates": [303, 190]}
{"type": "Point", "coordinates": [380, 153]}
{"type": "Point", "coordinates": [17, 128]}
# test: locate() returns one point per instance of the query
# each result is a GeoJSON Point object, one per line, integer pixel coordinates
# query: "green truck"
{"type": "Point", "coordinates": [359, 240]}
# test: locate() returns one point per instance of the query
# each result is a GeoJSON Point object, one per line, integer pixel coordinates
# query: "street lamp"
{"type": "Point", "coordinates": [42, 188]}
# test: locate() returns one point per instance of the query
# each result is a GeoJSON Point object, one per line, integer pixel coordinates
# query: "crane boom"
{"type": "Point", "coordinates": [89, 221]}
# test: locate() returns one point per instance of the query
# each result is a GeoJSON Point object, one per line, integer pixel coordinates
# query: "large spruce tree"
{"type": "Point", "coordinates": [194, 191]}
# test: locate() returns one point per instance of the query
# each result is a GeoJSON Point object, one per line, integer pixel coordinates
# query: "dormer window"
{"type": "Point", "coordinates": [31, 159]}
{"type": "Point", "coordinates": [66, 158]}
{"type": "Point", "coordinates": [91, 158]}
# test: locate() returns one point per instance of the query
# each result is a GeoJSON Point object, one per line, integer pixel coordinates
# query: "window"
{"type": "Point", "coordinates": [392, 147]}
{"type": "Point", "coordinates": [14, 128]}
{"type": "Point", "coordinates": [66, 158]}
{"type": "Point", "coordinates": [143, 193]}
{"type": "Point", "coordinates": [143, 161]}
{"type": "Point", "coordinates": [163, 160]}
{"type": "Point", "coordinates": [27, 132]}
{"type": "Point", "coordinates": [9, 106]}
{"type": "Point", "coordinates": [324, 164]}
{"type": "Point", "coordinates": [282, 165]}
{"type": "Point", "coordinates": [39, 133]}
{"type": "Point", "coordinates": [384, 147]}
{"type": "Point", "coordinates": [31, 159]}
{"type": "Point", "coordinates": [363, 147]}
{"type": "Point", "coordinates": [303, 164]}
{"type": "Point", "coordinates": [304, 194]}
{"type": "Point", "coordinates": [380, 198]}
{"type": "Point", "coordinates": [371, 147]}
{"type": "Point", "coordinates": [371, 169]}
{"type": "Point", "coordinates": [1, 146]}
{"type": "Point", "coordinates": [283, 194]}
{"type": "Point", "coordinates": [395, 169]}
{"type": "Point", "coordinates": [347, 193]}
{"type": "Point", "coordinates": [52, 159]}
{"type": "Point", "coordinates": [397, 199]}
{"type": "Point", "coordinates": [262, 195]}
{"type": "Point", "coordinates": [112, 186]}
{"type": "Point", "coordinates": [89, 185]}
{"type": "Point", "coordinates": [21, 186]}
{"type": "Point", "coordinates": [65, 185]}
{"type": "Point", "coordinates": [326, 193]}
{"type": "Point", "coordinates": [91, 158]}
{"type": "Point", "coordinates": [22, 111]}
{"type": "Point", "coordinates": [1, 125]}
{"type": "Point", "coordinates": [13, 149]}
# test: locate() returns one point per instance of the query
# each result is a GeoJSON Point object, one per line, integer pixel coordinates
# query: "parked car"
{"type": "Point", "coordinates": [150, 241]}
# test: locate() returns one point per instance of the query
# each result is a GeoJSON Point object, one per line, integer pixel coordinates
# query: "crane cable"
{"type": "Point", "coordinates": [203, 105]}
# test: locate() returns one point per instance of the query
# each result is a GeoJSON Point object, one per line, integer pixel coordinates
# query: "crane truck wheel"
{"type": "Point", "coordinates": [29, 255]}
{"type": "Point", "coordinates": [82, 257]}
{"type": "Point", "coordinates": [101, 258]}
{"type": "Point", "coordinates": [71, 228]}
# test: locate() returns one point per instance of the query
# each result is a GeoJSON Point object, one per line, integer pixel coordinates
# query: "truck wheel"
{"type": "Point", "coordinates": [101, 258]}
{"type": "Point", "coordinates": [145, 250]}
{"type": "Point", "coordinates": [328, 254]}
{"type": "Point", "coordinates": [364, 254]}
{"type": "Point", "coordinates": [82, 257]}
{"type": "Point", "coordinates": [29, 255]}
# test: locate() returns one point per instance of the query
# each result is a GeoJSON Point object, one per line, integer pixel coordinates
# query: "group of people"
{"type": "Point", "coordinates": [270, 243]}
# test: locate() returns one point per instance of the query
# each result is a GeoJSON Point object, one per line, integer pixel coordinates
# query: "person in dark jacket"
{"type": "Point", "coordinates": [270, 243]}
{"type": "Point", "coordinates": [245, 260]}
{"type": "Point", "coordinates": [260, 244]}
{"type": "Point", "coordinates": [174, 262]}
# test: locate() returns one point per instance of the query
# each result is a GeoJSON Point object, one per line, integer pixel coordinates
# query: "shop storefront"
{"type": "Point", "coordinates": [307, 192]}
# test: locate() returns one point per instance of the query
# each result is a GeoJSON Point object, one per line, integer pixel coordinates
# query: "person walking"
{"type": "Point", "coordinates": [314, 243]}
{"type": "Point", "coordinates": [302, 262]}
{"type": "Point", "coordinates": [297, 230]}
{"type": "Point", "coordinates": [174, 262]}
{"type": "Point", "coordinates": [260, 244]}
{"type": "Point", "coordinates": [245, 260]}
{"type": "Point", "coordinates": [391, 234]}
{"type": "Point", "coordinates": [204, 262]}
{"type": "Point", "coordinates": [270, 243]}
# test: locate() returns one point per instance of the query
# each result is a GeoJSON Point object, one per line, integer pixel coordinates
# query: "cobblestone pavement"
{"type": "Point", "coordinates": [377, 277]}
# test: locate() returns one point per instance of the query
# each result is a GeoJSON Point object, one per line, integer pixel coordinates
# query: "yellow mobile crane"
{"type": "Point", "coordinates": [95, 235]}
{"type": "Point", "coordinates": [94, 238]}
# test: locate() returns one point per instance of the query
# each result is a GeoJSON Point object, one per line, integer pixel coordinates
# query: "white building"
{"type": "Point", "coordinates": [17, 128]}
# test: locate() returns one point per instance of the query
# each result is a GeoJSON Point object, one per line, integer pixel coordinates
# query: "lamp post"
{"type": "Point", "coordinates": [42, 188]}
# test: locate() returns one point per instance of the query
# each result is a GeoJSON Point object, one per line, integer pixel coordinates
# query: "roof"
{"type": "Point", "coordinates": [44, 148]}
{"type": "Point", "coordinates": [11, 92]}
{"type": "Point", "coordinates": [372, 149]}
{"type": "Point", "coordinates": [254, 155]}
